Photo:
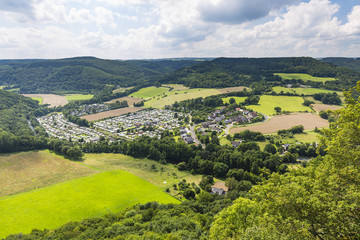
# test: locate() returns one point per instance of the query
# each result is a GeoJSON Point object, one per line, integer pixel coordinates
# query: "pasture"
{"type": "Point", "coordinates": [130, 100]}
{"type": "Point", "coordinates": [160, 175]}
{"type": "Point", "coordinates": [121, 89]}
{"type": "Point", "coordinates": [305, 91]}
{"type": "Point", "coordinates": [237, 99]}
{"type": "Point", "coordinates": [267, 104]}
{"type": "Point", "coordinates": [149, 92]}
{"type": "Point", "coordinates": [176, 87]}
{"type": "Point", "coordinates": [52, 99]}
{"type": "Point", "coordinates": [78, 97]}
{"type": "Point", "coordinates": [304, 77]}
{"type": "Point", "coordinates": [319, 107]}
{"type": "Point", "coordinates": [25, 171]}
{"type": "Point", "coordinates": [39, 99]}
{"type": "Point", "coordinates": [74, 200]}
{"type": "Point", "coordinates": [111, 113]}
{"type": "Point", "coordinates": [308, 120]}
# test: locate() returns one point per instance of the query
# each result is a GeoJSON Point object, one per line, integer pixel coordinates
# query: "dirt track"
{"type": "Point", "coordinates": [111, 113]}
{"type": "Point", "coordinates": [52, 99]}
{"type": "Point", "coordinates": [308, 120]}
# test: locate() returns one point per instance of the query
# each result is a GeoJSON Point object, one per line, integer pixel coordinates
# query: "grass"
{"type": "Point", "coordinates": [121, 89]}
{"type": "Point", "coordinates": [25, 171]}
{"type": "Point", "coordinates": [1, 87]}
{"type": "Point", "coordinates": [237, 99]}
{"type": "Point", "coordinates": [307, 137]}
{"type": "Point", "coordinates": [287, 103]}
{"type": "Point", "coordinates": [176, 87]}
{"type": "Point", "coordinates": [173, 96]}
{"type": "Point", "coordinates": [78, 97]}
{"type": "Point", "coordinates": [303, 76]}
{"type": "Point", "coordinates": [163, 176]}
{"type": "Point", "coordinates": [75, 200]}
{"type": "Point", "coordinates": [149, 92]}
{"type": "Point", "coordinates": [305, 91]}
{"type": "Point", "coordinates": [39, 99]}
{"type": "Point", "coordinates": [224, 141]}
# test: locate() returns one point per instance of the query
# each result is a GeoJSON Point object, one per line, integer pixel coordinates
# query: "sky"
{"type": "Point", "coordinates": [149, 29]}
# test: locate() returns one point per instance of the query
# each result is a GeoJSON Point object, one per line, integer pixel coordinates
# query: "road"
{"type": "Point", "coordinates": [192, 132]}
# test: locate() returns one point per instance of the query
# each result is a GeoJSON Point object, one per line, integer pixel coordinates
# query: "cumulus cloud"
{"type": "Point", "coordinates": [238, 11]}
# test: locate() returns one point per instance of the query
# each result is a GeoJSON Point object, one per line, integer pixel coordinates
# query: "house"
{"type": "Point", "coordinates": [220, 191]}
{"type": "Point", "coordinates": [286, 146]}
{"type": "Point", "coordinates": [205, 124]}
{"type": "Point", "coordinates": [235, 144]}
{"type": "Point", "coordinates": [189, 140]}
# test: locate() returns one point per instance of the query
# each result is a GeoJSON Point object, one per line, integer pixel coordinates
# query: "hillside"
{"type": "Point", "coordinates": [225, 72]}
{"type": "Point", "coordinates": [352, 63]}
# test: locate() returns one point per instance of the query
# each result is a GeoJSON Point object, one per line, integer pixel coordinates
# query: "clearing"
{"type": "Point", "coordinates": [52, 99]}
{"type": "Point", "coordinates": [305, 91]}
{"type": "Point", "coordinates": [304, 77]}
{"type": "Point", "coordinates": [149, 92]}
{"type": "Point", "coordinates": [176, 87]}
{"type": "Point", "coordinates": [308, 120]}
{"type": "Point", "coordinates": [121, 89]}
{"type": "Point", "coordinates": [319, 107]}
{"type": "Point", "coordinates": [24, 171]}
{"type": "Point", "coordinates": [267, 104]}
{"type": "Point", "coordinates": [78, 97]}
{"type": "Point", "coordinates": [237, 99]}
{"type": "Point", "coordinates": [74, 200]}
{"type": "Point", "coordinates": [232, 89]}
{"type": "Point", "coordinates": [111, 113]}
{"type": "Point", "coordinates": [130, 100]}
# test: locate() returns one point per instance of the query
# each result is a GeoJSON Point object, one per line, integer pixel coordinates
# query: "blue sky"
{"type": "Point", "coordinates": [139, 29]}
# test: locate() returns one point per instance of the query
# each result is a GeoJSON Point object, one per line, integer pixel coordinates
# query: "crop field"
{"type": "Point", "coordinates": [237, 99]}
{"type": "Point", "coordinates": [130, 100]}
{"type": "Point", "coordinates": [305, 91]}
{"type": "Point", "coordinates": [267, 104]}
{"type": "Point", "coordinates": [176, 87]}
{"type": "Point", "coordinates": [26, 171]}
{"type": "Point", "coordinates": [318, 107]}
{"type": "Point", "coordinates": [308, 120]}
{"type": "Point", "coordinates": [304, 77]}
{"type": "Point", "coordinates": [111, 113]}
{"type": "Point", "coordinates": [78, 97]}
{"type": "Point", "coordinates": [149, 92]}
{"type": "Point", "coordinates": [52, 99]}
{"type": "Point", "coordinates": [160, 175]}
{"type": "Point", "coordinates": [74, 200]}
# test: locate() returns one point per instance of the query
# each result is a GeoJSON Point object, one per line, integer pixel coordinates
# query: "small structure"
{"type": "Point", "coordinates": [235, 144]}
{"type": "Point", "coordinates": [219, 191]}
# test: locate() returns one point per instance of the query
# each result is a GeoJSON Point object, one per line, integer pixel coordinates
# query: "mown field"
{"type": "Point", "coordinates": [78, 97]}
{"type": "Point", "coordinates": [111, 113]}
{"type": "Point", "coordinates": [304, 77]}
{"type": "Point", "coordinates": [267, 104]}
{"type": "Point", "coordinates": [305, 91]}
{"type": "Point", "coordinates": [149, 92]}
{"type": "Point", "coordinates": [52, 99]}
{"type": "Point", "coordinates": [319, 107]}
{"type": "Point", "coordinates": [25, 171]}
{"type": "Point", "coordinates": [130, 100]}
{"type": "Point", "coordinates": [91, 196]}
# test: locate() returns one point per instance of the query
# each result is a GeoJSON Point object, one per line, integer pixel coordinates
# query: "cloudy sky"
{"type": "Point", "coordinates": [138, 29]}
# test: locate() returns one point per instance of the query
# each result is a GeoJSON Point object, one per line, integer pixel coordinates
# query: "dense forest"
{"type": "Point", "coordinates": [316, 201]}
{"type": "Point", "coordinates": [352, 63]}
{"type": "Point", "coordinates": [227, 72]}
{"type": "Point", "coordinates": [82, 74]}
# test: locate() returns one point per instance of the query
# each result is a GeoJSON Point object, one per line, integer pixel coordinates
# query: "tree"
{"type": "Point", "coordinates": [270, 148]}
{"type": "Point", "coordinates": [189, 194]}
{"type": "Point", "coordinates": [220, 169]}
{"type": "Point", "coordinates": [232, 100]}
{"type": "Point", "coordinates": [277, 110]}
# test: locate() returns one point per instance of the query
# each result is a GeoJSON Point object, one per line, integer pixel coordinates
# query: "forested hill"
{"type": "Point", "coordinates": [225, 72]}
{"type": "Point", "coordinates": [81, 74]}
{"type": "Point", "coordinates": [352, 63]}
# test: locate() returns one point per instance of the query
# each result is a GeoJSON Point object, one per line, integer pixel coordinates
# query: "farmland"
{"type": "Point", "coordinates": [39, 99]}
{"type": "Point", "coordinates": [305, 91]}
{"type": "Point", "coordinates": [52, 99]}
{"type": "Point", "coordinates": [74, 200]}
{"type": "Point", "coordinates": [268, 103]}
{"type": "Point", "coordinates": [319, 107]}
{"type": "Point", "coordinates": [26, 171]}
{"type": "Point", "coordinates": [130, 100]}
{"type": "Point", "coordinates": [304, 77]}
{"type": "Point", "coordinates": [237, 99]}
{"type": "Point", "coordinates": [308, 120]}
{"type": "Point", "coordinates": [149, 92]}
{"type": "Point", "coordinates": [111, 113]}
{"type": "Point", "coordinates": [78, 97]}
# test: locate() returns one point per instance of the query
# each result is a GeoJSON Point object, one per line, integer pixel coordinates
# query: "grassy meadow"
{"type": "Point", "coordinates": [305, 91]}
{"type": "Point", "coordinates": [149, 92]}
{"type": "Point", "coordinates": [287, 103]}
{"type": "Point", "coordinates": [304, 77]}
{"type": "Point", "coordinates": [74, 200]}
{"type": "Point", "coordinates": [78, 97]}
{"type": "Point", "coordinates": [237, 99]}
{"type": "Point", "coordinates": [39, 99]}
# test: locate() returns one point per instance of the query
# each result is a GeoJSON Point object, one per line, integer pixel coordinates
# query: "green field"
{"type": "Point", "coordinates": [287, 103]}
{"type": "Point", "coordinates": [176, 87]}
{"type": "Point", "coordinates": [304, 77]}
{"type": "Point", "coordinates": [237, 99]}
{"type": "Point", "coordinates": [149, 92]}
{"type": "Point", "coordinates": [78, 97]}
{"type": "Point", "coordinates": [179, 96]}
{"type": "Point", "coordinates": [305, 91]}
{"type": "Point", "coordinates": [1, 87]}
{"type": "Point", "coordinates": [39, 99]}
{"type": "Point", "coordinates": [74, 200]}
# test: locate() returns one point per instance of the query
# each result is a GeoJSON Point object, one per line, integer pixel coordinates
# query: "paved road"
{"type": "Point", "coordinates": [192, 132]}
